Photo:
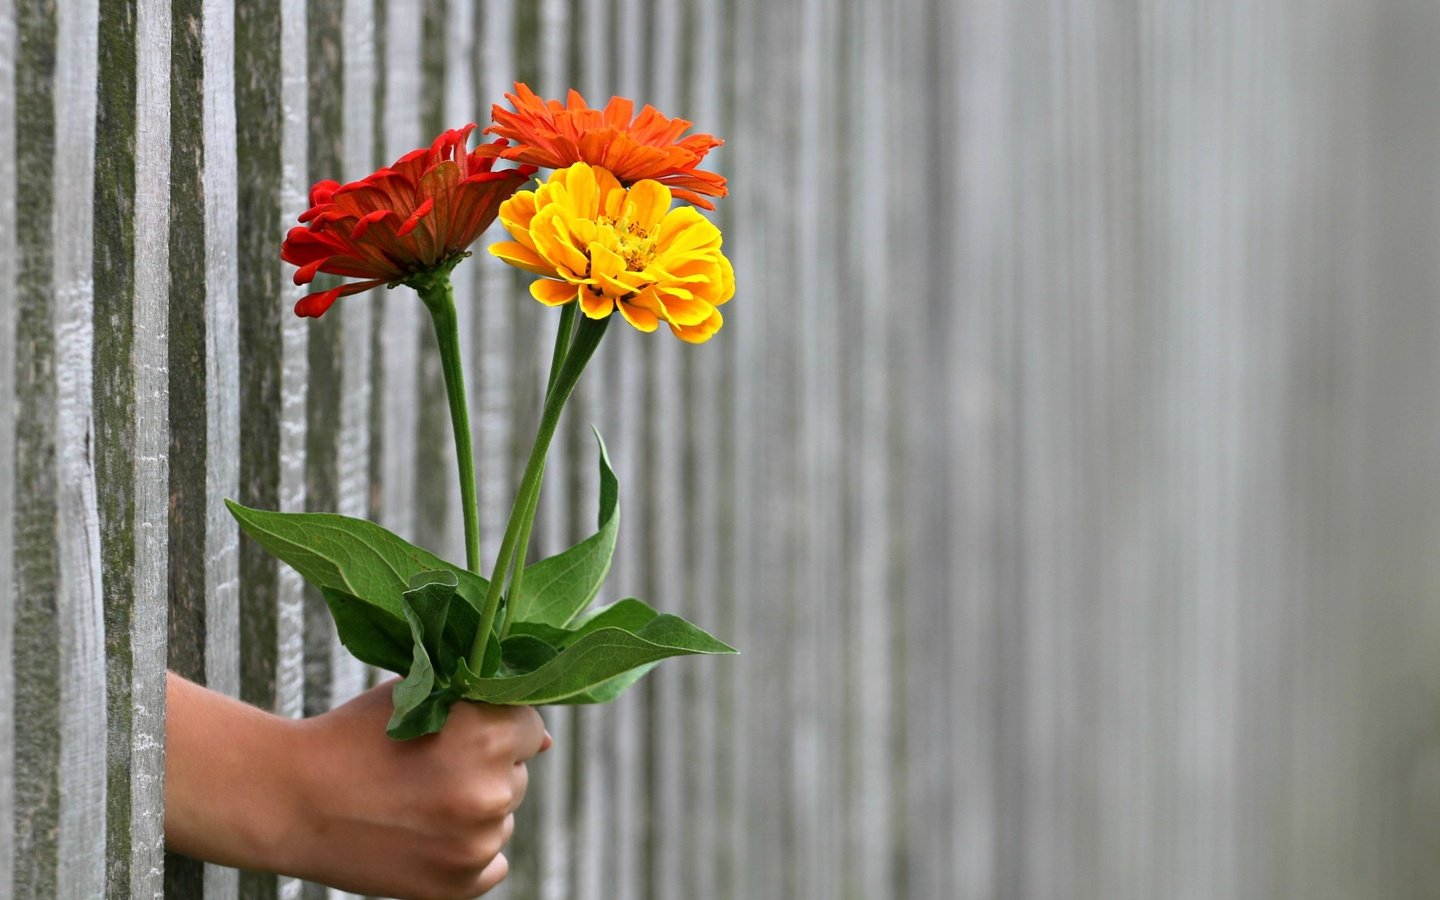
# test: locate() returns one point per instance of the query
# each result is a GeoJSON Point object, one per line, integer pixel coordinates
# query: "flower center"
{"type": "Point", "coordinates": [637, 246]}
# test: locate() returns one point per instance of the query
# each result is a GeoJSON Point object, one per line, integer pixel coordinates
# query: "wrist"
{"type": "Point", "coordinates": [232, 780]}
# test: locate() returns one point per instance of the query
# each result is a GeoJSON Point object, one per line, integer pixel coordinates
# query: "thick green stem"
{"type": "Point", "coordinates": [563, 336]}
{"type": "Point", "coordinates": [582, 347]}
{"type": "Point", "coordinates": [439, 298]}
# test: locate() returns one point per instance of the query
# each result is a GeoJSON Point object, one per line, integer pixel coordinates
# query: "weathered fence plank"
{"type": "Point", "coordinates": [36, 636]}
{"type": "Point", "coordinates": [78, 595]}
{"type": "Point", "coordinates": [271, 105]}
{"type": "Point", "coordinates": [131, 427]}
{"type": "Point", "coordinates": [9, 404]}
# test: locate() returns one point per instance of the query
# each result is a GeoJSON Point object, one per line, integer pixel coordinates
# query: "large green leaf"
{"type": "Point", "coordinates": [591, 660]}
{"type": "Point", "coordinates": [557, 589]}
{"type": "Point", "coordinates": [357, 564]}
{"type": "Point", "coordinates": [606, 691]}
{"type": "Point", "coordinates": [628, 614]}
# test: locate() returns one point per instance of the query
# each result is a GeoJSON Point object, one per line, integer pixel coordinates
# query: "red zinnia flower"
{"type": "Point", "coordinates": [410, 219]}
{"type": "Point", "coordinates": [556, 135]}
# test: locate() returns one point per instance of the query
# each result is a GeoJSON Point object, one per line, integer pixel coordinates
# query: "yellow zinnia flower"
{"type": "Point", "coordinates": [612, 248]}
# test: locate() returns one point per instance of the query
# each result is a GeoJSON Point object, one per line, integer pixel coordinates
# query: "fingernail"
{"type": "Point", "coordinates": [547, 743]}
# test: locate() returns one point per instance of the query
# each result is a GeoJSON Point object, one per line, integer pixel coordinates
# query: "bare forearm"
{"type": "Point", "coordinates": [230, 778]}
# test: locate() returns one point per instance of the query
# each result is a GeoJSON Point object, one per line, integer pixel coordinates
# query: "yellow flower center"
{"type": "Point", "coordinates": [635, 244]}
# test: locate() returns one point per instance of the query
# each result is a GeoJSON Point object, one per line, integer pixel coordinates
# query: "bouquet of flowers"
{"type": "Point", "coordinates": [601, 237]}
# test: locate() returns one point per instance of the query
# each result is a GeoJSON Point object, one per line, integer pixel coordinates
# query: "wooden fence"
{"type": "Point", "coordinates": [1068, 470]}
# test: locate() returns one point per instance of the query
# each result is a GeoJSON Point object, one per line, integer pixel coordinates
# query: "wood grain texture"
{"type": "Point", "coordinates": [36, 634]}
{"type": "Point", "coordinates": [148, 652]}
{"type": "Point", "coordinates": [130, 421]}
{"type": "Point", "coordinates": [271, 105]}
{"type": "Point", "coordinates": [79, 595]}
{"type": "Point", "coordinates": [9, 404]}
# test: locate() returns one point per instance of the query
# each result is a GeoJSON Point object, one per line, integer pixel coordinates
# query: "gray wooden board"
{"type": "Point", "coordinates": [9, 403]}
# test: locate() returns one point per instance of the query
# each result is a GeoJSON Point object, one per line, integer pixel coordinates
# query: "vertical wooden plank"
{"type": "Point", "coordinates": [152, 443]}
{"type": "Point", "coordinates": [204, 384]}
{"type": "Point", "coordinates": [131, 197]}
{"type": "Point", "coordinates": [750, 830]}
{"type": "Point", "coordinates": [809, 566]}
{"type": "Point", "coordinates": [37, 677]}
{"type": "Point", "coordinates": [271, 68]}
{"type": "Point", "coordinates": [81, 615]}
{"type": "Point", "coordinates": [708, 593]}
{"type": "Point", "coordinates": [664, 524]}
{"type": "Point", "coordinates": [222, 373]}
{"type": "Point", "coordinates": [9, 403]}
{"type": "Point", "coordinates": [977, 412]}
{"type": "Point", "coordinates": [868, 536]}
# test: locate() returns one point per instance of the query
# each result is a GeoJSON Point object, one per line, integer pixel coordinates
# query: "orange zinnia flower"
{"type": "Point", "coordinates": [555, 135]}
{"type": "Point", "coordinates": [408, 220]}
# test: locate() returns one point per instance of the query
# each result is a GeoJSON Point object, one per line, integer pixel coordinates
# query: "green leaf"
{"type": "Point", "coordinates": [557, 589]}
{"type": "Point", "coordinates": [628, 614]}
{"type": "Point", "coordinates": [371, 634]}
{"type": "Point", "coordinates": [522, 653]}
{"type": "Point", "coordinates": [431, 596]}
{"type": "Point", "coordinates": [606, 691]}
{"type": "Point", "coordinates": [419, 707]}
{"type": "Point", "coordinates": [583, 670]}
{"type": "Point", "coordinates": [363, 571]}
{"type": "Point", "coordinates": [351, 555]}
{"type": "Point", "coordinates": [426, 717]}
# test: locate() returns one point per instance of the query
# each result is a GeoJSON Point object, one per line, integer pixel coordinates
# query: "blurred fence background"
{"type": "Point", "coordinates": [1068, 469]}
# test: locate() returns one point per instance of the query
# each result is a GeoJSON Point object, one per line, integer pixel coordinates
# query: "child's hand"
{"type": "Point", "coordinates": [333, 800]}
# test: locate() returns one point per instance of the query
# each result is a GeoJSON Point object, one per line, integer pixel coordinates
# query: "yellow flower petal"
{"type": "Point", "coordinates": [647, 203]}
{"type": "Point", "coordinates": [553, 293]}
{"type": "Point", "coordinates": [643, 319]}
{"type": "Point", "coordinates": [594, 305]}
{"type": "Point", "coordinates": [683, 230]}
{"type": "Point", "coordinates": [687, 312]}
{"type": "Point", "coordinates": [521, 257]}
{"type": "Point", "coordinates": [698, 334]}
{"type": "Point", "coordinates": [606, 267]}
{"type": "Point", "coordinates": [552, 240]}
{"type": "Point", "coordinates": [515, 215]}
{"type": "Point", "coordinates": [583, 190]}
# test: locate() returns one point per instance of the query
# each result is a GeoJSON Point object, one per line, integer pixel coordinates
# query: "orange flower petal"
{"type": "Point", "coordinates": [553, 293]}
{"type": "Point", "coordinates": [521, 257]}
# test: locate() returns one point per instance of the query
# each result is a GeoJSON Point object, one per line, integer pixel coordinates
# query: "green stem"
{"type": "Point", "coordinates": [587, 338]}
{"type": "Point", "coordinates": [563, 336]}
{"type": "Point", "coordinates": [439, 297]}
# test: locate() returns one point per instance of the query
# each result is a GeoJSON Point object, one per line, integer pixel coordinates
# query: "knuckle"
{"type": "Point", "coordinates": [492, 800]}
{"type": "Point", "coordinates": [474, 852]}
{"type": "Point", "coordinates": [471, 804]}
